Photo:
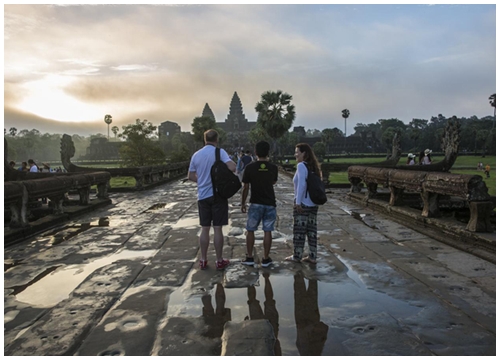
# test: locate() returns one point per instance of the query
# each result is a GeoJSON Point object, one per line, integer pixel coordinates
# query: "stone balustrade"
{"type": "Point", "coordinates": [431, 186]}
{"type": "Point", "coordinates": [18, 194]}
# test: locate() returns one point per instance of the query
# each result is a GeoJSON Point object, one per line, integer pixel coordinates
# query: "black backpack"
{"type": "Point", "coordinates": [225, 182]}
{"type": "Point", "coordinates": [315, 188]}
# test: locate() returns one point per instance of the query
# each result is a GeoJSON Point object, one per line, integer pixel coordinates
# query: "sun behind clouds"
{"type": "Point", "coordinates": [47, 98]}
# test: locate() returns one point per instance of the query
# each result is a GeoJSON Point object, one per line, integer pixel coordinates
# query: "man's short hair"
{"type": "Point", "coordinates": [262, 149]}
{"type": "Point", "coordinates": [211, 135]}
{"type": "Point", "coordinates": [30, 161]}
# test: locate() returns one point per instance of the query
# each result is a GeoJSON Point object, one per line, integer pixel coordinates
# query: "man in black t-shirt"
{"type": "Point", "coordinates": [260, 176]}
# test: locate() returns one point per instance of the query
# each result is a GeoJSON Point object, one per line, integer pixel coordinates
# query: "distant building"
{"type": "Point", "coordinates": [102, 149]}
{"type": "Point", "coordinates": [168, 129]}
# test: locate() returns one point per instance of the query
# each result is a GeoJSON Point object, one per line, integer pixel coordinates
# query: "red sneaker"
{"type": "Point", "coordinates": [203, 264]}
{"type": "Point", "coordinates": [221, 265]}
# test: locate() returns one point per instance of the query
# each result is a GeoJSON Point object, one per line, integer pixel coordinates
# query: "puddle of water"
{"type": "Point", "coordinates": [291, 303]}
{"type": "Point", "coordinates": [56, 286]}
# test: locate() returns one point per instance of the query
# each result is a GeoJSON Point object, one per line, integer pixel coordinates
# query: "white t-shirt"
{"type": "Point", "coordinates": [201, 163]}
{"type": "Point", "coordinates": [426, 160]}
{"type": "Point", "coordinates": [34, 168]}
{"type": "Point", "coordinates": [300, 186]}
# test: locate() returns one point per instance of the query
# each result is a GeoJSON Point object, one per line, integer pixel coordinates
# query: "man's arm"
{"type": "Point", "coordinates": [192, 176]}
{"type": "Point", "coordinates": [244, 194]}
{"type": "Point", "coordinates": [231, 165]}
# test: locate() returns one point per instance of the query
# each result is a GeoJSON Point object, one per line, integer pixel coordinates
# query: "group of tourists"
{"type": "Point", "coordinates": [258, 178]}
{"type": "Point", "coordinates": [31, 166]}
{"type": "Point", "coordinates": [424, 158]}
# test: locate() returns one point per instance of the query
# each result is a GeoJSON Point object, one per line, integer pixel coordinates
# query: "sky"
{"type": "Point", "coordinates": [67, 66]}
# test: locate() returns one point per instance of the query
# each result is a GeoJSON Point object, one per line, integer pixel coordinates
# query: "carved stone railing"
{"type": "Point", "coordinates": [143, 175]}
{"type": "Point", "coordinates": [18, 194]}
{"type": "Point", "coordinates": [431, 186]}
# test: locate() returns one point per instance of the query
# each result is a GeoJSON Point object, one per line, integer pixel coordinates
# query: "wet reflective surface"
{"type": "Point", "coordinates": [126, 281]}
{"type": "Point", "coordinates": [58, 282]}
{"type": "Point", "coordinates": [302, 311]}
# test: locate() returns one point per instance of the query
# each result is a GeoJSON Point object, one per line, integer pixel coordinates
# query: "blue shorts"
{"type": "Point", "coordinates": [258, 212]}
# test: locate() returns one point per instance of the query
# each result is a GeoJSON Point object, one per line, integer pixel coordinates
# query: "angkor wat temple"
{"type": "Point", "coordinates": [236, 125]}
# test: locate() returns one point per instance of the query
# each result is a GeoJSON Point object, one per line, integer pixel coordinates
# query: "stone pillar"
{"type": "Point", "coordinates": [480, 212]}
{"type": "Point", "coordinates": [431, 204]}
{"type": "Point", "coordinates": [396, 196]}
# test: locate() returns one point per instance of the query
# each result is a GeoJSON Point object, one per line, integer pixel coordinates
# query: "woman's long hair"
{"type": "Point", "coordinates": [310, 158]}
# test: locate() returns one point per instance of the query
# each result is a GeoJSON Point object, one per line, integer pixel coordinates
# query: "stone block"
{"type": "Point", "coordinates": [248, 338]}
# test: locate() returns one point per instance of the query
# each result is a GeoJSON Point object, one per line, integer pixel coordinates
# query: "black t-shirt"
{"type": "Point", "coordinates": [261, 175]}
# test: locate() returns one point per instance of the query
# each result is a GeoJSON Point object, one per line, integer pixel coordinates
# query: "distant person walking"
{"type": "Point", "coordinates": [487, 169]}
{"type": "Point", "coordinates": [33, 167]}
{"type": "Point", "coordinates": [213, 210]}
{"type": "Point", "coordinates": [304, 210]}
{"type": "Point", "coordinates": [259, 177]}
{"type": "Point", "coordinates": [245, 160]}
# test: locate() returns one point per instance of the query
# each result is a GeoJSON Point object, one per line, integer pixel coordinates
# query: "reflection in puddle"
{"type": "Point", "coordinates": [60, 235]}
{"type": "Point", "coordinates": [55, 287]}
{"type": "Point", "coordinates": [303, 311]}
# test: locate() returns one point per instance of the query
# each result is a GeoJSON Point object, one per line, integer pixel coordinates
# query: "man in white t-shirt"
{"type": "Point", "coordinates": [212, 210]}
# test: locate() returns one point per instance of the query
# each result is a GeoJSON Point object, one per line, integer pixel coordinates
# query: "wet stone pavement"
{"type": "Point", "coordinates": [124, 280]}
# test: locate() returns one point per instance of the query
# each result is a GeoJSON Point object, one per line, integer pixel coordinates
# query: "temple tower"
{"type": "Point", "coordinates": [236, 120]}
{"type": "Point", "coordinates": [208, 112]}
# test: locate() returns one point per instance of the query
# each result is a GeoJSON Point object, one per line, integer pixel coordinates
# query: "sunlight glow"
{"type": "Point", "coordinates": [46, 98]}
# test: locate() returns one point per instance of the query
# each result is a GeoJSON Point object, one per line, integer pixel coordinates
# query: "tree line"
{"type": "Point", "coordinates": [275, 117]}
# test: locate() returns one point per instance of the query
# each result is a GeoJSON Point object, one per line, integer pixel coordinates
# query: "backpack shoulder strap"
{"type": "Point", "coordinates": [217, 154]}
{"type": "Point", "coordinates": [307, 169]}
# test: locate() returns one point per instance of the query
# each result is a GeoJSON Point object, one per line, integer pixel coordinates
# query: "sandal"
{"type": "Point", "coordinates": [292, 259]}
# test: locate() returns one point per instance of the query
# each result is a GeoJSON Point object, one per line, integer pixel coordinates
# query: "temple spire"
{"type": "Point", "coordinates": [208, 112]}
{"type": "Point", "coordinates": [236, 118]}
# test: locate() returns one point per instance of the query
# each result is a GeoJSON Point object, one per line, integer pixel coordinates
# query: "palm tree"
{"type": "Point", "coordinates": [108, 120]}
{"type": "Point", "coordinates": [115, 130]}
{"type": "Point", "coordinates": [493, 102]}
{"type": "Point", "coordinates": [275, 114]}
{"type": "Point", "coordinates": [345, 115]}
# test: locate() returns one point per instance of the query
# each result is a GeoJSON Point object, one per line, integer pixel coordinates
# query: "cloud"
{"type": "Point", "coordinates": [165, 62]}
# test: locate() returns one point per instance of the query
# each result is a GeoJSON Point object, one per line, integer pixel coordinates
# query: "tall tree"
{"type": "Point", "coordinates": [201, 124]}
{"type": "Point", "coordinates": [493, 102]}
{"type": "Point", "coordinates": [115, 130]}
{"type": "Point", "coordinates": [140, 149]}
{"type": "Point", "coordinates": [108, 120]}
{"type": "Point", "coordinates": [345, 115]}
{"type": "Point", "coordinates": [275, 114]}
{"type": "Point", "coordinates": [12, 131]}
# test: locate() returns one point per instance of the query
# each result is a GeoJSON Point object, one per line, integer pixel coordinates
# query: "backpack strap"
{"type": "Point", "coordinates": [217, 158]}
{"type": "Point", "coordinates": [307, 168]}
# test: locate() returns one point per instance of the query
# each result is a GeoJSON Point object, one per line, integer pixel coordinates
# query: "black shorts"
{"type": "Point", "coordinates": [213, 212]}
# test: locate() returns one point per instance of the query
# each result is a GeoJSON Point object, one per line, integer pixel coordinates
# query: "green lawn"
{"type": "Point", "coordinates": [461, 162]}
